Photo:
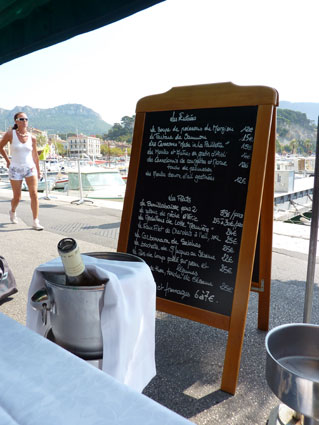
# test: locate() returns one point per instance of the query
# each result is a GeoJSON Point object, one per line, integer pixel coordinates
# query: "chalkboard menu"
{"type": "Point", "coordinates": [190, 202]}
{"type": "Point", "coordinates": [196, 200]}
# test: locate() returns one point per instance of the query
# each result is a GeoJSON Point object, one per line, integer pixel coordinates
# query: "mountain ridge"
{"type": "Point", "coordinates": [311, 109]}
{"type": "Point", "coordinates": [299, 123]}
{"type": "Point", "coordinates": [294, 125]}
{"type": "Point", "coordinates": [67, 118]}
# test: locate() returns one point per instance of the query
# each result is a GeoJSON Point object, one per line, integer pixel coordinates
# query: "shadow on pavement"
{"type": "Point", "coordinates": [189, 362]}
{"type": "Point", "coordinates": [103, 226]}
{"type": "Point", "coordinates": [47, 206]}
{"type": "Point", "coordinates": [6, 230]}
{"type": "Point", "coordinates": [6, 300]}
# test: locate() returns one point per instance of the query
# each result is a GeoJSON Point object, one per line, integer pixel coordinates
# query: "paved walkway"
{"type": "Point", "coordinates": [189, 356]}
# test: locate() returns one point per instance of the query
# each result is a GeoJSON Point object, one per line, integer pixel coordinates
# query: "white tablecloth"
{"type": "Point", "coordinates": [127, 319]}
{"type": "Point", "coordinates": [41, 383]}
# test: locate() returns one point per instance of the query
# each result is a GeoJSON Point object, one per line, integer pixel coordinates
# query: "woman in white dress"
{"type": "Point", "coordinates": [24, 164]}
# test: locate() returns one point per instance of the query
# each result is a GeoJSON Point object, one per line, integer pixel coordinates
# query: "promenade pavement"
{"type": "Point", "coordinates": [189, 355]}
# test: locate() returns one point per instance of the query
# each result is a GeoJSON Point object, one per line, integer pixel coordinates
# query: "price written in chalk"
{"type": "Point", "coordinates": [189, 204]}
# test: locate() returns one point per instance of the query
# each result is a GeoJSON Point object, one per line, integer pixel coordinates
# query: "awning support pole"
{"type": "Point", "coordinates": [313, 240]}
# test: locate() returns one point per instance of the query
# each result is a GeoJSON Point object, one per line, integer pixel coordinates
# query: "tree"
{"type": "Point", "coordinates": [115, 132]}
{"type": "Point", "coordinates": [293, 146]}
{"type": "Point", "coordinates": [128, 123]}
{"type": "Point", "coordinates": [309, 146]}
{"type": "Point", "coordinates": [278, 147]}
{"type": "Point", "coordinates": [60, 149]}
{"type": "Point", "coordinates": [105, 150]}
{"type": "Point", "coordinates": [116, 152]}
{"type": "Point", "coordinates": [41, 140]}
{"type": "Point", "coordinates": [121, 132]}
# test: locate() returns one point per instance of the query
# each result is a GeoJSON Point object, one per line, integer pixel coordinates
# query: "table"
{"type": "Point", "coordinates": [41, 383]}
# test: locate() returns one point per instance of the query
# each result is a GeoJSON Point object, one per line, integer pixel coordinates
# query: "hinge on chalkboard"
{"type": "Point", "coordinates": [261, 288]}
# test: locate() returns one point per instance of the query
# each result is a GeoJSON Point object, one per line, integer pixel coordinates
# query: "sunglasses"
{"type": "Point", "coordinates": [22, 119]}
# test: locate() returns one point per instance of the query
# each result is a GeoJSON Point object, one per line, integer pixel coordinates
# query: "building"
{"type": "Point", "coordinates": [53, 139]}
{"type": "Point", "coordinates": [36, 132]}
{"type": "Point", "coordinates": [81, 146]}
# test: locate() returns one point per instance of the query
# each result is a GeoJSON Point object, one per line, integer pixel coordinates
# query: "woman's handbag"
{"type": "Point", "coordinates": [7, 280]}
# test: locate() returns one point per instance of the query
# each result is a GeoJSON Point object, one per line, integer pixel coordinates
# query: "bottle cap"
{"type": "Point", "coordinates": [67, 245]}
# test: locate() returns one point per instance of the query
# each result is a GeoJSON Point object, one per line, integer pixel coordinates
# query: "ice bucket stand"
{"type": "Point", "coordinates": [127, 316]}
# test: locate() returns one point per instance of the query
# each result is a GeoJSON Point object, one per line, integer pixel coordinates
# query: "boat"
{"type": "Point", "coordinates": [5, 184]}
{"type": "Point", "coordinates": [53, 165]}
{"type": "Point", "coordinates": [97, 183]}
{"type": "Point", "coordinates": [41, 185]}
{"type": "Point", "coordinates": [301, 219]}
{"type": "Point", "coordinates": [61, 182]}
{"type": "Point", "coordinates": [124, 172]}
{"type": "Point", "coordinates": [3, 169]}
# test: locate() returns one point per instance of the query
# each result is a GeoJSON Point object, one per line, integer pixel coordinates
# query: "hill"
{"type": "Point", "coordinates": [294, 125]}
{"type": "Point", "coordinates": [70, 118]}
{"type": "Point", "coordinates": [311, 109]}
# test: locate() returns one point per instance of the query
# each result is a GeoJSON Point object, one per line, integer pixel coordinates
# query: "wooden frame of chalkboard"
{"type": "Point", "coordinates": [194, 199]}
{"type": "Point", "coordinates": [261, 279]}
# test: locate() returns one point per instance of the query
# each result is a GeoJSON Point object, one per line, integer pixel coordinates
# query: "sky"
{"type": "Point", "coordinates": [175, 43]}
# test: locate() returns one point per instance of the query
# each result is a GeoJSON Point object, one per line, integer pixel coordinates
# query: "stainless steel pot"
{"type": "Point", "coordinates": [292, 367]}
{"type": "Point", "coordinates": [75, 311]}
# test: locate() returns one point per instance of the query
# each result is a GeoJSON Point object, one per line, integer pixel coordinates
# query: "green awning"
{"type": "Point", "coordinates": [30, 25]}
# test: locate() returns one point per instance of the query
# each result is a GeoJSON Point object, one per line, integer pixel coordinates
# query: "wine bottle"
{"type": "Point", "coordinates": [75, 270]}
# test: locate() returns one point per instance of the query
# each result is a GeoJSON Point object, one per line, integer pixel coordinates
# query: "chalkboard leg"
{"type": "Point", "coordinates": [264, 307]}
{"type": "Point", "coordinates": [232, 363]}
{"type": "Point", "coordinates": [234, 344]}
{"type": "Point", "coordinates": [266, 227]}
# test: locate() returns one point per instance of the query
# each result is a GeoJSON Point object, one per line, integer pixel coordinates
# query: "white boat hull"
{"type": "Point", "coordinates": [41, 186]}
{"type": "Point", "coordinates": [97, 184]}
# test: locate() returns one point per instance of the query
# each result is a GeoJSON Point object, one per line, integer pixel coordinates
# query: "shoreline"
{"type": "Point", "coordinates": [63, 197]}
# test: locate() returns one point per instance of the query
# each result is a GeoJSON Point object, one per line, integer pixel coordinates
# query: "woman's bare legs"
{"type": "Point", "coordinates": [32, 183]}
{"type": "Point", "coordinates": [16, 189]}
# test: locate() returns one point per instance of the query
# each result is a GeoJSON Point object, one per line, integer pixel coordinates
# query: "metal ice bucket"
{"type": "Point", "coordinates": [75, 311]}
{"type": "Point", "coordinates": [292, 367]}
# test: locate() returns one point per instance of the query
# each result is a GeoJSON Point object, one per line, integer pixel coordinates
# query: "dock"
{"type": "Point", "coordinates": [295, 202]}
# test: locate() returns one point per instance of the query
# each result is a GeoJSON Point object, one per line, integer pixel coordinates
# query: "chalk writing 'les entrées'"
{"type": "Point", "coordinates": [190, 202]}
